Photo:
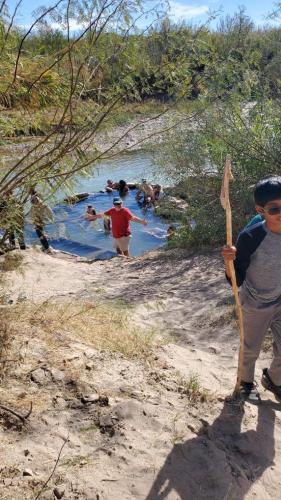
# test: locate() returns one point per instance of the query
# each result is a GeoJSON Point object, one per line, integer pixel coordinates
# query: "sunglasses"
{"type": "Point", "coordinates": [272, 210]}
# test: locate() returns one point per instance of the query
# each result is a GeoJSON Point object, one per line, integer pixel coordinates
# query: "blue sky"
{"type": "Point", "coordinates": [189, 10]}
{"type": "Point", "coordinates": [196, 10]}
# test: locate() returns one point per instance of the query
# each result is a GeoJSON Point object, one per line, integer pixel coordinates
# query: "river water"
{"type": "Point", "coordinates": [72, 233]}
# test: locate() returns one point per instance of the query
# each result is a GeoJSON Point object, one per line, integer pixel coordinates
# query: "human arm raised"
{"type": "Point", "coordinates": [95, 217]}
{"type": "Point", "coordinates": [139, 220]}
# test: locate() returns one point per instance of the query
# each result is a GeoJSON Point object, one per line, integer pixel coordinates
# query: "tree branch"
{"type": "Point", "coordinates": [23, 418]}
{"type": "Point", "coordinates": [53, 471]}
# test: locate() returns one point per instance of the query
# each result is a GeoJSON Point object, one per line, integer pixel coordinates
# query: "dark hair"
{"type": "Point", "coordinates": [122, 184]}
{"type": "Point", "coordinates": [267, 189]}
{"type": "Point", "coordinates": [92, 210]}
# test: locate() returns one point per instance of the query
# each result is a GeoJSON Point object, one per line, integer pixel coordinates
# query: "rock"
{"type": "Point", "coordinates": [59, 402]}
{"type": "Point", "coordinates": [72, 357]}
{"type": "Point", "coordinates": [89, 366]}
{"type": "Point", "coordinates": [128, 410]}
{"type": "Point", "coordinates": [26, 453]}
{"type": "Point", "coordinates": [91, 398]}
{"type": "Point", "coordinates": [214, 349]}
{"type": "Point", "coordinates": [106, 421]}
{"type": "Point", "coordinates": [27, 472]}
{"type": "Point", "coordinates": [74, 404]}
{"type": "Point", "coordinates": [58, 375]}
{"type": "Point", "coordinates": [41, 376]}
{"type": "Point", "coordinates": [58, 492]}
{"type": "Point", "coordinates": [106, 425]}
{"type": "Point", "coordinates": [192, 428]}
{"type": "Point", "coordinates": [22, 395]}
{"type": "Point", "coordinates": [103, 400]}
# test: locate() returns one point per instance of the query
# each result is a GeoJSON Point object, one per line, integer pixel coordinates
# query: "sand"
{"type": "Point", "coordinates": [155, 439]}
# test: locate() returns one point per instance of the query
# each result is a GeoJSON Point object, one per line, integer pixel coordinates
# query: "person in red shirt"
{"type": "Point", "coordinates": [120, 221]}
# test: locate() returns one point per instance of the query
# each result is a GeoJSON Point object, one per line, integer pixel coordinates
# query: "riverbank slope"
{"type": "Point", "coordinates": [127, 364]}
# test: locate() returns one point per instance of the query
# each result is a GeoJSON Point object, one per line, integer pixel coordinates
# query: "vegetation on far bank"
{"type": "Point", "coordinates": [195, 160]}
{"type": "Point", "coordinates": [65, 87]}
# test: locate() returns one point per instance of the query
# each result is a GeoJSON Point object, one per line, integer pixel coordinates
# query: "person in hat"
{"type": "Point", "coordinates": [120, 221]}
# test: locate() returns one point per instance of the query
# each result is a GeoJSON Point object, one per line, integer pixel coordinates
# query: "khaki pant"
{"type": "Point", "coordinates": [122, 243]}
{"type": "Point", "coordinates": [258, 318]}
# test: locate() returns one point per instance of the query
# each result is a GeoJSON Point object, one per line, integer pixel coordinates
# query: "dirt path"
{"type": "Point", "coordinates": [165, 431]}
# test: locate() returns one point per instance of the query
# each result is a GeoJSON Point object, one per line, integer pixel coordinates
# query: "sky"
{"type": "Point", "coordinates": [195, 11]}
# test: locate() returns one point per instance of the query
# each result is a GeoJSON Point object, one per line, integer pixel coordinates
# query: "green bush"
{"type": "Point", "coordinates": [252, 136]}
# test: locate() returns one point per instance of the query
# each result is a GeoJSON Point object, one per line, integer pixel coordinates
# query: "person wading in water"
{"type": "Point", "coordinates": [41, 214]}
{"type": "Point", "coordinates": [120, 220]}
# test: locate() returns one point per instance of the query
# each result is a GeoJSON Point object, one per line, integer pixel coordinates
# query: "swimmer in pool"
{"type": "Point", "coordinates": [123, 188]}
{"type": "Point", "coordinates": [146, 192]}
{"type": "Point", "coordinates": [90, 211]}
{"type": "Point", "coordinates": [91, 215]}
{"type": "Point", "coordinates": [171, 231]}
{"type": "Point", "coordinates": [110, 186]}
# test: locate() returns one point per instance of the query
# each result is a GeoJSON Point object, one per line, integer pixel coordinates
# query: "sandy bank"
{"type": "Point", "coordinates": [158, 437]}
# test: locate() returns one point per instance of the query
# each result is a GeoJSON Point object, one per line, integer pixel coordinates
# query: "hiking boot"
{"type": "Point", "coordinates": [248, 392]}
{"type": "Point", "coordinates": [270, 386]}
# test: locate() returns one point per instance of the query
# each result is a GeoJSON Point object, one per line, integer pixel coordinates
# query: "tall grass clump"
{"type": "Point", "coordinates": [100, 326]}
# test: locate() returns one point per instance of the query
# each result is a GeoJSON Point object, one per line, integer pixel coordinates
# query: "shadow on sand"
{"type": "Point", "coordinates": [222, 462]}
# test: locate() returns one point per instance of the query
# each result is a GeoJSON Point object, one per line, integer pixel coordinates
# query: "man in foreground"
{"type": "Point", "coordinates": [257, 257]}
{"type": "Point", "coordinates": [120, 221]}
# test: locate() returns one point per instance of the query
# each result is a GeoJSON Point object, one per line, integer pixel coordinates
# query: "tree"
{"type": "Point", "coordinates": [69, 67]}
{"type": "Point", "coordinates": [250, 133]}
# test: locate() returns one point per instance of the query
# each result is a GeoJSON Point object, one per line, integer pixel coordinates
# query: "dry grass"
{"type": "Point", "coordinates": [8, 262]}
{"type": "Point", "coordinates": [11, 261]}
{"type": "Point", "coordinates": [40, 335]}
{"type": "Point", "coordinates": [6, 337]}
{"type": "Point", "coordinates": [100, 326]}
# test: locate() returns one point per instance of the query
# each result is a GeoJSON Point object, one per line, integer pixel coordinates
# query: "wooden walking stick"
{"type": "Point", "coordinates": [225, 201]}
